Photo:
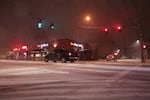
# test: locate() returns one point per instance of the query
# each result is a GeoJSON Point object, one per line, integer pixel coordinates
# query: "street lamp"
{"type": "Point", "coordinates": [137, 41]}
{"type": "Point", "coordinates": [87, 18]}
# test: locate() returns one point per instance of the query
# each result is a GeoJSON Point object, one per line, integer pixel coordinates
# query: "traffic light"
{"type": "Point", "coordinates": [52, 27]}
{"type": "Point", "coordinates": [119, 28]}
{"type": "Point", "coordinates": [43, 24]}
{"type": "Point", "coordinates": [144, 46]}
{"type": "Point", "coordinates": [106, 30]}
{"type": "Point", "coordinates": [40, 24]}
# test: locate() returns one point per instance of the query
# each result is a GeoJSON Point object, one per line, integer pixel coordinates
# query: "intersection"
{"type": "Point", "coordinates": [31, 80]}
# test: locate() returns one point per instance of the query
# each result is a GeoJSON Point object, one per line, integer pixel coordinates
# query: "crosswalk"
{"type": "Point", "coordinates": [57, 81]}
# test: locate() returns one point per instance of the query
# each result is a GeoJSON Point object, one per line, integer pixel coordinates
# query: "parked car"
{"type": "Point", "coordinates": [61, 55]}
{"type": "Point", "coordinates": [110, 57]}
{"type": "Point", "coordinates": [113, 56]}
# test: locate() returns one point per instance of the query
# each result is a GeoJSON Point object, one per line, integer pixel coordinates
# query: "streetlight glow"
{"type": "Point", "coordinates": [137, 41]}
{"type": "Point", "coordinates": [87, 18]}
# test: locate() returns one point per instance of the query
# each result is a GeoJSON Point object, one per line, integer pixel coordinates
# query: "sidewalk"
{"type": "Point", "coordinates": [125, 62]}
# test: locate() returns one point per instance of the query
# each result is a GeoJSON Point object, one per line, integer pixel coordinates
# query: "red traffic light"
{"type": "Point", "coordinates": [144, 46]}
{"type": "Point", "coordinates": [119, 28]}
{"type": "Point", "coordinates": [106, 29]}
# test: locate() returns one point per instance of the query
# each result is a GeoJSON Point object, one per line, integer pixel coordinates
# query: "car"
{"type": "Point", "coordinates": [110, 57]}
{"type": "Point", "coordinates": [61, 55]}
{"type": "Point", "coordinates": [113, 56]}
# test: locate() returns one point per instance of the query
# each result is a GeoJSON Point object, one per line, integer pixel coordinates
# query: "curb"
{"type": "Point", "coordinates": [124, 63]}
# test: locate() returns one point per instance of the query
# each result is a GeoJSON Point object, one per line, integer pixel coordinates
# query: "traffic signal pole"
{"type": "Point", "coordinates": [143, 50]}
{"type": "Point", "coordinates": [142, 54]}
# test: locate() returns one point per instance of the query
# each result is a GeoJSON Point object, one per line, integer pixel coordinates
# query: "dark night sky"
{"type": "Point", "coordinates": [18, 19]}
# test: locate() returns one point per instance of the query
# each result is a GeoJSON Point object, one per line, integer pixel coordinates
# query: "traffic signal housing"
{"type": "Point", "coordinates": [40, 24]}
{"type": "Point", "coordinates": [119, 28]}
{"type": "Point", "coordinates": [144, 46]}
{"type": "Point", "coordinates": [106, 30]}
{"type": "Point", "coordinates": [52, 26]}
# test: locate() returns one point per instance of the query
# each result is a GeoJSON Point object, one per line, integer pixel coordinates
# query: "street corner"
{"type": "Point", "coordinates": [124, 62]}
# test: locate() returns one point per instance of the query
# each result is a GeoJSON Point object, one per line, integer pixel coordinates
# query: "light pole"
{"type": "Point", "coordinates": [83, 25]}
{"type": "Point", "coordinates": [143, 52]}
{"type": "Point", "coordinates": [86, 19]}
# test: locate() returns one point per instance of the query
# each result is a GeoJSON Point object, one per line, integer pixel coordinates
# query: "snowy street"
{"type": "Point", "coordinates": [31, 80]}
